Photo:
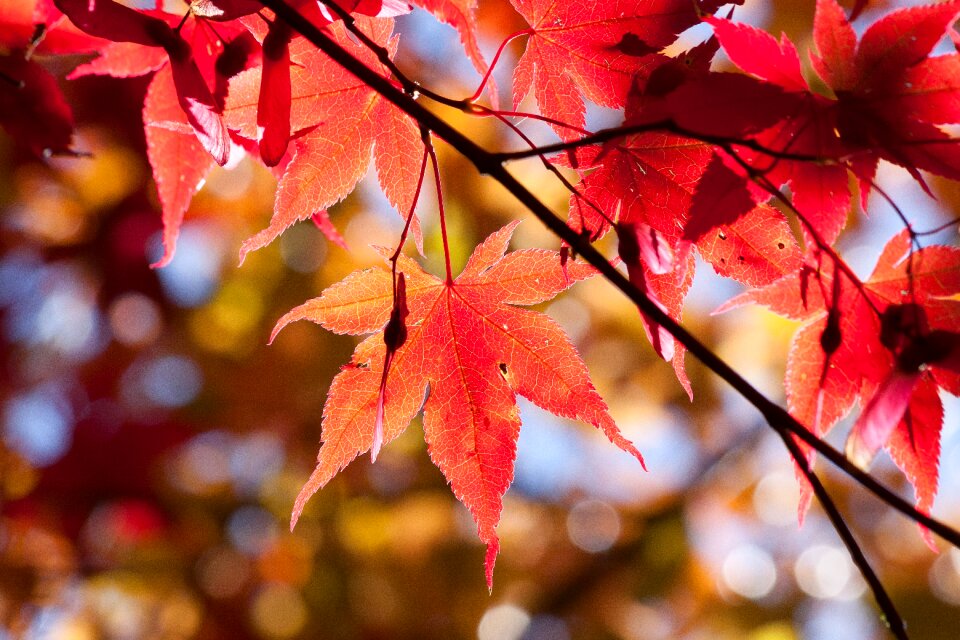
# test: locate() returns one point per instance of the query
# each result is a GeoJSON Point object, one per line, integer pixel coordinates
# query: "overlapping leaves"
{"type": "Point", "coordinates": [888, 343]}
{"type": "Point", "coordinates": [591, 49]}
{"type": "Point", "coordinates": [705, 153]}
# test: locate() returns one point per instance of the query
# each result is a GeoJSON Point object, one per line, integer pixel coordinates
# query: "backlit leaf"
{"type": "Point", "coordinates": [475, 352]}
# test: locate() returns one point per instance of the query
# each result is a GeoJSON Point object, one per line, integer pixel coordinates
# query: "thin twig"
{"type": "Point", "coordinates": [414, 88]}
{"type": "Point", "coordinates": [660, 126]}
{"type": "Point", "coordinates": [552, 168]}
{"type": "Point", "coordinates": [891, 616]}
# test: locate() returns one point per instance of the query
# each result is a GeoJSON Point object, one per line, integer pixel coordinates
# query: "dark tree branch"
{"type": "Point", "coordinates": [891, 616]}
{"type": "Point", "coordinates": [776, 416]}
{"type": "Point", "coordinates": [487, 163]}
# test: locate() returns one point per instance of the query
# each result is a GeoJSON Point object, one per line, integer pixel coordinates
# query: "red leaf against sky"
{"type": "Point", "coordinates": [755, 249]}
{"type": "Point", "coordinates": [338, 119]}
{"type": "Point", "coordinates": [180, 163]}
{"type": "Point", "coordinates": [889, 98]}
{"type": "Point", "coordinates": [591, 48]}
{"type": "Point", "coordinates": [820, 191]}
{"type": "Point", "coordinates": [656, 181]}
{"type": "Point", "coordinates": [647, 178]}
{"type": "Point", "coordinates": [726, 105]}
{"type": "Point", "coordinates": [750, 243]}
{"type": "Point", "coordinates": [683, 190]}
{"type": "Point", "coordinates": [652, 268]}
{"type": "Point", "coordinates": [899, 338]}
{"type": "Point", "coordinates": [890, 93]}
{"type": "Point", "coordinates": [880, 416]}
{"type": "Point", "coordinates": [836, 42]}
{"type": "Point", "coordinates": [475, 350]}
{"type": "Point", "coordinates": [113, 21]}
{"type": "Point", "coordinates": [759, 54]}
{"type": "Point", "coordinates": [645, 182]}
{"type": "Point", "coordinates": [736, 107]}
{"type": "Point", "coordinates": [189, 64]}
{"type": "Point", "coordinates": [642, 251]}
{"type": "Point", "coordinates": [721, 197]}
{"type": "Point", "coordinates": [198, 103]}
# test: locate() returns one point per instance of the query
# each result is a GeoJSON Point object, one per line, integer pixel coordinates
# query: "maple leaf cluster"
{"type": "Point", "coordinates": [707, 152]}
{"type": "Point", "coordinates": [700, 165]}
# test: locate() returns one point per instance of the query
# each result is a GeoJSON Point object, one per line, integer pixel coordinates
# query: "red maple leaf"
{"type": "Point", "coordinates": [474, 349]}
{"type": "Point", "coordinates": [180, 163]}
{"type": "Point", "coordinates": [336, 119]}
{"type": "Point", "coordinates": [113, 21]}
{"type": "Point", "coordinates": [888, 99]}
{"type": "Point", "coordinates": [591, 48]}
{"type": "Point", "coordinates": [194, 58]}
{"type": "Point", "coordinates": [891, 94]}
{"type": "Point", "coordinates": [888, 343]}
{"type": "Point", "coordinates": [273, 109]}
{"type": "Point", "coordinates": [655, 181]}
{"type": "Point", "coordinates": [819, 189]}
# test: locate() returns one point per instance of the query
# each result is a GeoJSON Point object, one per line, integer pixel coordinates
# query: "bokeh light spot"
{"type": "Point", "coordinates": [66, 321]}
{"type": "Point", "coordinates": [254, 460]}
{"type": "Point", "coordinates": [233, 181]}
{"type": "Point", "coordinates": [503, 622]}
{"type": "Point", "coordinates": [38, 426]}
{"type": "Point", "coordinates": [749, 571]}
{"type": "Point", "coordinates": [278, 611]}
{"type": "Point", "coordinates": [823, 571]}
{"type": "Point", "coordinates": [593, 525]}
{"type": "Point", "coordinates": [193, 274]}
{"type": "Point", "coordinates": [179, 617]}
{"type": "Point", "coordinates": [223, 572]}
{"type": "Point", "coordinates": [774, 631]}
{"type": "Point", "coordinates": [204, 462]}
{"type": "Point", "coordinates": [547, 628]}
{"type": "Point", "coordinates": [945, 577]}
{"type": "Point", "coordinates": [775, 498]}
{"type": "Point", "coordinates": [303, 248]}
{"type": "Point", "coordinates": [171, 381]}
{"type": "Point", "coordinates": [19, 275]}
{"type": "Point", "coordinates": [572, 315]}
{"type": "Point", "coordinates": [135, 320]}
{"type": "Point", "coordinates": [251, 530]}
{"type": "Point", "coordinates": [839, 619]}
{"type": "Point", "coordinates": [646, 621]}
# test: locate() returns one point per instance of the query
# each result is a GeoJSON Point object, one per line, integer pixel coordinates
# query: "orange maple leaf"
{"type": "Point", "coordinates": [474, 350]}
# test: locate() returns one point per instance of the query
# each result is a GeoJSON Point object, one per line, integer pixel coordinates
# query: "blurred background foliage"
{"type": "Point", "coordinates": [152, 444]}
